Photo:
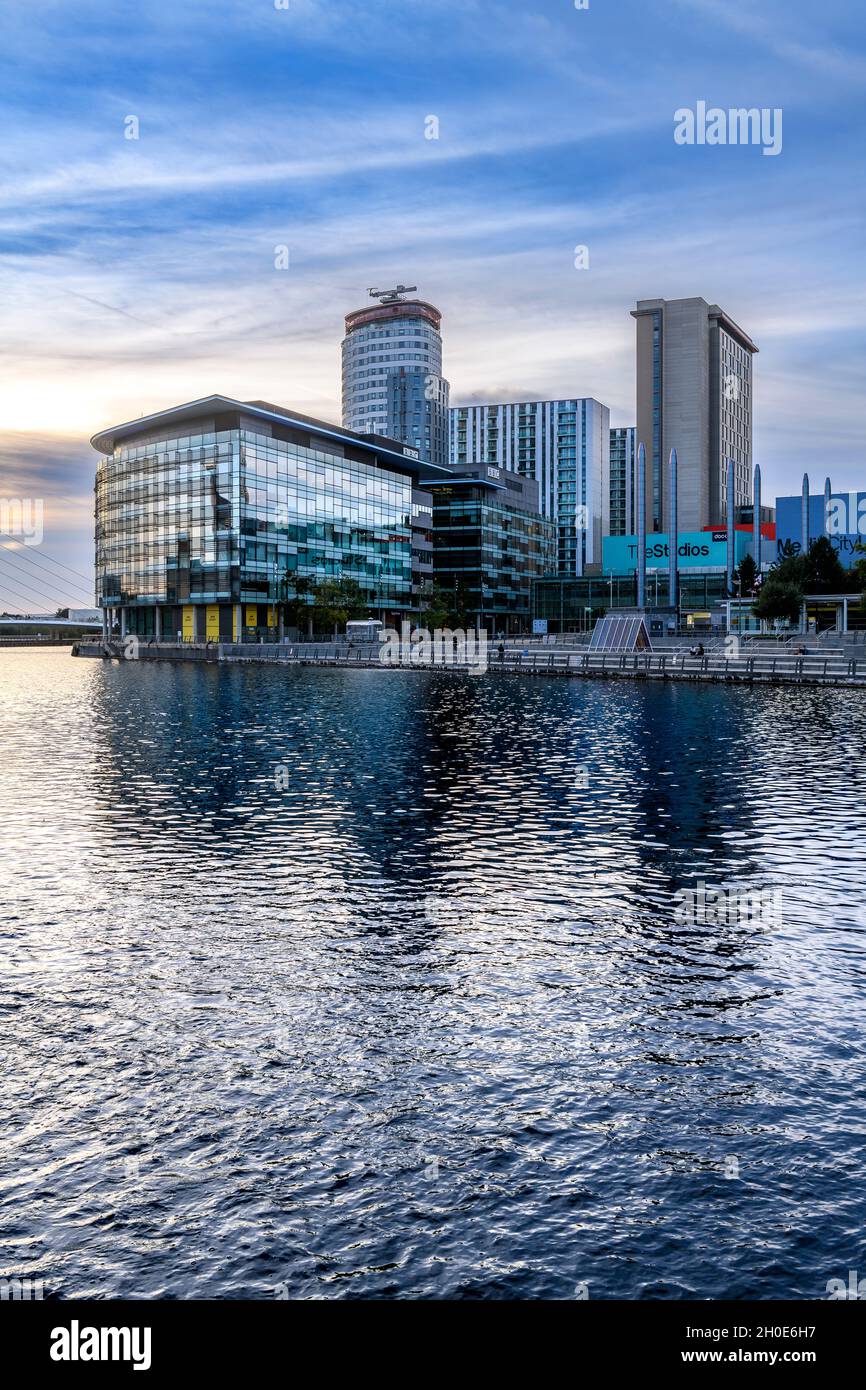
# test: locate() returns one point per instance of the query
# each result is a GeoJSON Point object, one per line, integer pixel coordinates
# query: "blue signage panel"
{"type": "Point", "coordinates": [696, 550]}
{"type": "Point", "coordinates": [844, 524]}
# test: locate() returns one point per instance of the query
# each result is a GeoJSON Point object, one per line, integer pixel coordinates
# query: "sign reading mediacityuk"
{"type": "Point", "coordinates": [696, 550]}
{"type": "Point", "coordinates": [843, 521]}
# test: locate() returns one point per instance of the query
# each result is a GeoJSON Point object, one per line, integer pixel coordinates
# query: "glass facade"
{"type": "Point", "coordinates": [487, 549]}
{"type": "Point", "coordinates": [572, 605]}
{"type": "Point", "coordinates": [212, 523]}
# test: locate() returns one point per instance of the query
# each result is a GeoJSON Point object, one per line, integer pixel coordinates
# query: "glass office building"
{"type": "Point", "coordinates": [392, 375]}
{"type": "Point", "coordinates": [206, 513]}
{"type": "Point", "coordinates": [489, 542]}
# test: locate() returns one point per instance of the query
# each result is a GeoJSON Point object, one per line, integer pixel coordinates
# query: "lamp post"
{"type": "Point", "coordinates": [673, 542]}
{"type": "Point", "coordinates": [756, 519]}
{"type": "Point", "coordinates": [641, 526]}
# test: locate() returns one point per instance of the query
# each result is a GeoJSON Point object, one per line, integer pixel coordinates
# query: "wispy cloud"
{"type": "Point", "coordinates": [138, 273]}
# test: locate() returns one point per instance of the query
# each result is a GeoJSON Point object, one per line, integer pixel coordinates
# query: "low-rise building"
{"type": "Point", "coordinates": [489, 542]}
{"type": "Point", "coordinates": [840, 516]}
{"type": "Point", "coordinates": [564, 445]}
{"type": "Point", "coordinates": [207, 512]}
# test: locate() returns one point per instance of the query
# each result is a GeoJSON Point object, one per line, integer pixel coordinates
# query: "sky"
{"type": "Point", "coordinates": [140, 273]}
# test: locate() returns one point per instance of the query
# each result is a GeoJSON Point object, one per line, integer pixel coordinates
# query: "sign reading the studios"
{"type": "Point", "coordinates": [696, 549]}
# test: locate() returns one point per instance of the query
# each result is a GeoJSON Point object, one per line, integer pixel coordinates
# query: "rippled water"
{"type": "Point", "coordinates": [358, 984]}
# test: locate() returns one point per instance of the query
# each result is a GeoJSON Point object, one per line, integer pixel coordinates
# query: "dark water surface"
{"type": "Point", "coordinates": [419, 1020]}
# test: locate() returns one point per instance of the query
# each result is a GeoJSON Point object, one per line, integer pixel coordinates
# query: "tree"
{"type": "Point", "coordinates": [858, 575]}
{"type": "Point", "coordinates": [335, 601]}
{"type": "Point", "coordinates": [745, 576]}
{"type": "Point", "coordinates": [778, 599]}
{"type": "Point", "coordinates": [458, 599]}
{"type": "Point", "coordinates": [825, 572]}
{"type": "Point", "coordinates": [790, 569]}
{"type": "Point", "coordinates": [819, 571]}
{"type": "Point", "coordinates": [294, 591]}
{"type": "Point", "coordinates": [434, 604]}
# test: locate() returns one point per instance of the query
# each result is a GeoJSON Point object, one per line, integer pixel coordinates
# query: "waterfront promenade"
{"type": "Point", "coordinates": [750, 668]}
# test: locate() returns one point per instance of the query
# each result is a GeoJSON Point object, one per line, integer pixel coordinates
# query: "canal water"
{"type": "Point", "coordinates": [338, 984]}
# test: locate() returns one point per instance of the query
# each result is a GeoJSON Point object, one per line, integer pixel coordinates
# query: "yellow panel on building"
{"type": "Point", "coordinates": [212, 622]}
{"type": "Point", "coordinates": [252, 618]}
{"type": "Point", "coordinates": [272, 617]}
{"type": "Point", "coordinates": [189, 624]}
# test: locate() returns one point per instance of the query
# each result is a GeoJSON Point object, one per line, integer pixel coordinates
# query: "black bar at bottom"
{"type": "Point", "coordinates": [85, 1340]}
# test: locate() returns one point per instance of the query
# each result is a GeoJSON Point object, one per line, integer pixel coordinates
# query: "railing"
{"type": "Point", "coordinates": [62, 641]}
{"type": "Point", "coordinates": [675, 666]}
{"type": "Point", "coordinates": [671, 665]}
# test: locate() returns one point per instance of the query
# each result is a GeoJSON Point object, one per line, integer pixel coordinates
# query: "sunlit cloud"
{"type": "Point", "coordinates": [136, 274]}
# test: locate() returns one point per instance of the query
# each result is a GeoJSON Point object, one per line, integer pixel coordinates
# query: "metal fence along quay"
{"type": "Point", "coordinates": [772, 667]}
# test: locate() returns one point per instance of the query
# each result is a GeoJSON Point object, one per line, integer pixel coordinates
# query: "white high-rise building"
{"type": "Point", "coordinates": [565, 446]}
{"type": "Point", "coordinates": [392, 374]}
{"type": "Point", "coordinates": [623, 448]}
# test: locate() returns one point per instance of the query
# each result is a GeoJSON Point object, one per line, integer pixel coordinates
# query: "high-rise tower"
{"type": "Point", "coordinates": [694, 394]}
{"type": "Point", "coordinates": [392, 373]}
{"type": "Point", "coordinates": [565, 446]}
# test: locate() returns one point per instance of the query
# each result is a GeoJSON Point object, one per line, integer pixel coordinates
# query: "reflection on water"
{"type": "Point", "coordinates": [358, 983]}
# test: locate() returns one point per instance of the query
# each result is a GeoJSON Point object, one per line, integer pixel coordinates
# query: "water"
{"type": "Point", "coordinates": [419, 1021]}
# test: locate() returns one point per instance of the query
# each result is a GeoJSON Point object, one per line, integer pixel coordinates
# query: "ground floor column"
{"type": "Point", "coordinates": [122, 623]}
{"type": "Point", "coordinates": [105, 627]}
{"type": "Point", "coordinates": [157, 623]}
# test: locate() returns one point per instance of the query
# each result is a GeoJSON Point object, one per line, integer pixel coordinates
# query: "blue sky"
{"type": "Point", "coordinates": [136, 274]}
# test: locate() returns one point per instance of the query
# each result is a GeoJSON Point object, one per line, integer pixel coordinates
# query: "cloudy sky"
{"type": "Point", "coordinates": [140, 273]}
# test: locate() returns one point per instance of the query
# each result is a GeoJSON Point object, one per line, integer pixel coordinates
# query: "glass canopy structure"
{"type": "Point", "coordinates": [620, 634]}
